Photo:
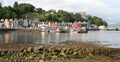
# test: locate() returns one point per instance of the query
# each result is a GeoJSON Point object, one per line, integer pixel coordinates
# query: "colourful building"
{"type": "Point", "coordinates": [76, 25]}
{"type": "Point", "coordinates": [7, 23]}
{"type": "Point", "coordinates": [53, 25]}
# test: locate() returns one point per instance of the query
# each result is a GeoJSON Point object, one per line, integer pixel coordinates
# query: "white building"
{"type": "Point", "coordinates": [84, 15]}
{"type": "Point", "coordinates": [102, 27]}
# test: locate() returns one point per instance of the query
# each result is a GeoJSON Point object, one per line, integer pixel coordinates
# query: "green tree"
{"type": "Point", "coordinates": [7, 13]}
{"type": "Point", "coordinates": [98, 21]}
{"type": "Point", "coordinates": [105, 23]}
{"type": "Point", "coordinates": [40, 11]}
{"type": "Point", "coordinates": [78, 17]}
{"type": "Point", "coordinates": [33, 17]}
{"type": "Point", "coordinates": [0, 11]}
{"type": "Point", "coordinates": [24, 9]}
{"type": "Point", "coordinates": [65, 16]}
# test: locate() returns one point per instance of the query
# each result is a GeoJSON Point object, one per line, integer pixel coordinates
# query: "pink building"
{"type": "Point", "coordinates": [76, 25]}
{"type": "Point", "coordinates": [6, 23]}
{"type": "Point", "coordinates": [6, 37]}
{"type": "Point", "coordinates": [53, 25]}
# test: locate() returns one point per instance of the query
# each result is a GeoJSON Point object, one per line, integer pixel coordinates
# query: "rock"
{"type": "Point", "coordinates": [30, 49]}
{"type": "Point", "coordinates": [75, 53]}
{"type": "Point", "coordinates": [2, 52]}
{"type": "Point", "coordinates": [41, 60]}
{"type": "Point", "coordinates": [9, 52]}
{"type": "Point", "coordinates": [91, 55]}
{"type": "Point", "coordinates": [51, 48]}
{"type": "Point", "coordinates": [38, 49]}
{"type": "Point", "coordinates": [22, 49]}
{"type": "Point", "coordinates": [63, 52]}
{"type": "Point", "coordinates": [69, 51]}
{"type": "Point", "coordinates": [54, 56]}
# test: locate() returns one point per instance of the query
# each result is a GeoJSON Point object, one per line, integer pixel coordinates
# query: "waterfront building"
{"type": "Point", "coordinates": [6, 23]}
{"type": "Point", "coordinates": [20, 23]}
{"type": "Point", "coordinates": [1, 23]}
{"type": "Point", "coordinates": [11, 23]}
{"type": "Point", "coordinates": [53, 25]}
{"type": "Point", "coordinates": [15, 23]}
{"type": "Point", "coordinates": [102, 27]}
{"type": "Point", "coordinates": [76, 25]}
{"type": "Point", "coordinates": [88, 25]}
{"type": "Point", "coordinates": [84, 15]}
{"type": "Point", "coordinates": [25, 23]}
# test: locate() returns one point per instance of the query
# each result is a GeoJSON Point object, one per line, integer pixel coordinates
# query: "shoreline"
{"type": "Point", "coordinates": [69, 43]}
{"type": "Point", "coordinates": [74, 50]}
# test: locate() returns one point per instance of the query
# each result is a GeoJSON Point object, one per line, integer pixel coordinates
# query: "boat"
{"type": "Point", "coordinates": [50, 31]}
{"type": "Point", "coordinates": [57, 31]}
{"type": "Point", "coordinates": [80, 30]}
{"type": "Point", "coordinates": [71, 31]}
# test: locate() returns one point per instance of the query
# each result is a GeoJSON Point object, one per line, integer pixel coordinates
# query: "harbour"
{"type": "Point", "coordinates": [108, 38]}
{"type": "Point", "coordinates": [59, 31]}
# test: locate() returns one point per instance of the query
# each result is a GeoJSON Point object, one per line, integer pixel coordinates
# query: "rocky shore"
{"type": "Point", "coordinates": [69, 51]}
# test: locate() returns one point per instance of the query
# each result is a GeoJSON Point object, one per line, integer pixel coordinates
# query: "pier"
{"type": "Point", "coordinates": [8, 29]}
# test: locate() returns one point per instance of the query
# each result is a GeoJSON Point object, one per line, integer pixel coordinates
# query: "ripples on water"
{"type": "Point", "coordinates": [110, 38]}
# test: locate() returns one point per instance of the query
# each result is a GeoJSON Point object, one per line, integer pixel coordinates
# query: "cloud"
{"type": "Point", "coordinates": [114, 1]}
{"type": "Point", "coordinates": [109, 10]}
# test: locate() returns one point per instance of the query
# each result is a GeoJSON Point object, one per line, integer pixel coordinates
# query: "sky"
{"type": "Point", "coordinates": [108, 10]}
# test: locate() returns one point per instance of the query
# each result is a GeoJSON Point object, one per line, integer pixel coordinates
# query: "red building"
{"type": "Point", "coordinates": [76, 25]}
{"type": "Point", "coordinates": [53, 25]}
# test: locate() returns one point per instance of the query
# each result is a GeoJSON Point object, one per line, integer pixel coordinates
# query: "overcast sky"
{"type": "Point", "coordinates": [109, 10]}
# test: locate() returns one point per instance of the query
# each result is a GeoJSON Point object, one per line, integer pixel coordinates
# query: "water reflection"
{"type": "Point", "coordinates": [6, 38]}
{"type": "Point", "coordinates": [25, 38]}
{"type": "Point", "coordinates": [57, 37]}
{"type": "Point", "coordinates": [43, 37]}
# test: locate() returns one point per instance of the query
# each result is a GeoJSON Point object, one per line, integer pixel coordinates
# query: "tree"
{"type": "Point", "coordinates": [78, 17]}
{"type": "Point", "coordinates": [34, 17]}
{"type": "Point", "coordinates": [24, 9]}
{"type": "Point", "coordinates": [98, 21]}
{"type": "Point", "coordinates": [40, 11]}
{"type": "Point", "coordinates": [105, 23]}
{"type": "Point", "coordinates": [0, 11]}
{"type": "Point", "coordinates": [7, 13]}
{"type": "Point", "coordinates": [65, 16]}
